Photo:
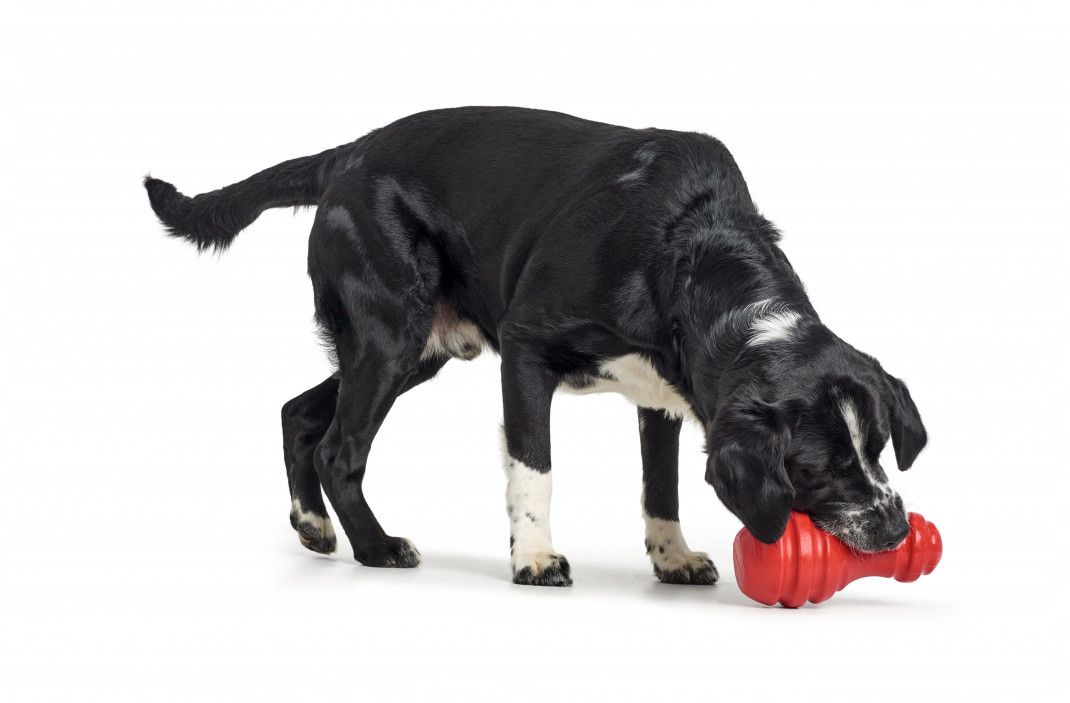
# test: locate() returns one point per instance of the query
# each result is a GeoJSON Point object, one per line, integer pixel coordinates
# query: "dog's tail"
{"type": "Point", "coordinates": [213, 220]}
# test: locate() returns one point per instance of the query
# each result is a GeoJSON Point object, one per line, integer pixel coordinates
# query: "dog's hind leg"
{"type": "Point", "coordinates": [673, 560]}
{"type": "Point", "coordinates": [375, 281]}
{"type": "Point", "coordinates": [365, 396]}
{"type": "Point", "coordinates": [305, 420]}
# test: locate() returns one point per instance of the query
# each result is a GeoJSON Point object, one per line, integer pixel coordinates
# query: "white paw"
{"type": "Point", "coordinates": [673, 561]}
{"type": "Point", "coordinates": [684, 567]}
{"type": "Point", "coordinates": [315, 531]}
{"type": "Point", "coordinates": [541, 569]}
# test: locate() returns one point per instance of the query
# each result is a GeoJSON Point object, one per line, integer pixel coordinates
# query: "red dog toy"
{"type": "Point", "coordinates": [808, 564]}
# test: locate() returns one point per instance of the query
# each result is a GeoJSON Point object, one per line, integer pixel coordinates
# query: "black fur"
{"type": "Point", "coordinates": [563, 243]}
{"type": "Point", "coordinates": [212, 220]}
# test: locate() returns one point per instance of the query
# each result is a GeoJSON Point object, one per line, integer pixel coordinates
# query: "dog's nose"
{"type": "Point", "coordinates": [894, 537]}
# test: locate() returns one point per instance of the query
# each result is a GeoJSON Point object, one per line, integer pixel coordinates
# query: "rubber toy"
{"type": "Point", "coordinates": [809, 564]}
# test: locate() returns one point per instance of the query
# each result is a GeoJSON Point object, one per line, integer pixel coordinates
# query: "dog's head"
{"type": "Point", "coordinates": [806, 433]}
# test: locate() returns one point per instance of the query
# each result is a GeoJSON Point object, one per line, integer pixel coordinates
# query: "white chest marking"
{"type": "Point", "coordinates": [636, 379]}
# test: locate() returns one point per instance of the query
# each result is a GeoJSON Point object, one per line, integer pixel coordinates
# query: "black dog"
{"type": "Point", "coordinates": [591, 258]}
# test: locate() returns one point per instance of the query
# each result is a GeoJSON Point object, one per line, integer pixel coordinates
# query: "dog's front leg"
{"type": "Point", "coordinates": [674, 562]}
{"type": "Point", "coordinates": [527, 389]}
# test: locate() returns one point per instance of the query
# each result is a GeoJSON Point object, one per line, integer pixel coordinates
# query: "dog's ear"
{"type": "Point", "coordinates": [908, 434]}
{"type": "Point", "coordinates": [747, 444]}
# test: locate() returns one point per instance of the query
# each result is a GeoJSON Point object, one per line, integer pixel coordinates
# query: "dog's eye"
{"type": "Point", "coordinates": [839, 461]}
{"type": "Point", "coordinates": [810, 473]}
{"type": "Point", "coordinates": [812, 482]}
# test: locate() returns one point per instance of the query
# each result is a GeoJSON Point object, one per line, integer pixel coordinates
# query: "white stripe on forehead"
{"type": "Point", "coordinates": [885, 498]}
{"type": "Point", "coordinates": [858, 441]}
{"type": "Point", "coordinates": [854, 426]}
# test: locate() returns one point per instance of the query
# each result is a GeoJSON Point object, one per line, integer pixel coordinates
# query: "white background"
{"type": "Point", "coordinates": [914, 155]}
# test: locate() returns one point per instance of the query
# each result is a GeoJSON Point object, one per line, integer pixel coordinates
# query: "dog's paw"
{"type": "Point", "coordinates": [695, 568]}
{"type": "Point", "coordinates": [542, 569]}
{"type": "Point", "coordinates": [392, 552]}
{"type": "Point", "coordinates": [314, 531]}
